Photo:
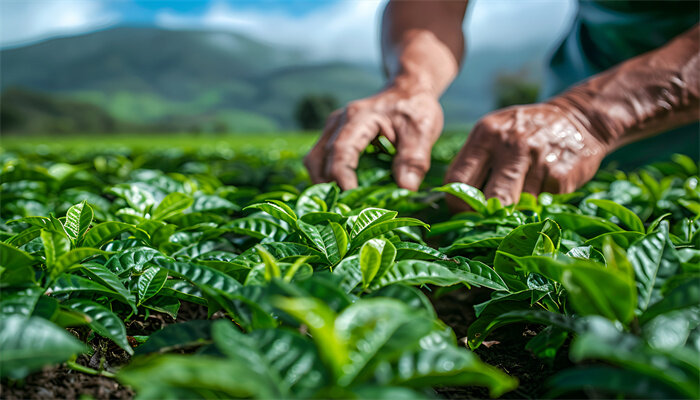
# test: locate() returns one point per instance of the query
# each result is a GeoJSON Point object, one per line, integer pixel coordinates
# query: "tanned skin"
{"type": "Point", "coordinates": [555, 146]}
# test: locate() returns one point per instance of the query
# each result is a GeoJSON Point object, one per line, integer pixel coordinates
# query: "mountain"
{"type": "Point", "coordinates": [195, 80]}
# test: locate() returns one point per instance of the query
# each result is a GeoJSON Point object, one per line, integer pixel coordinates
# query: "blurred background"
{"type": "Point", "coordinates": [225, 66]}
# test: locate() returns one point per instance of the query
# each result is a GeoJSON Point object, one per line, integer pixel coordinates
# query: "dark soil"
{"type": "Point", "coordinates": [61, 382]}
{"type": "Point", "coordinates": [505, 349]}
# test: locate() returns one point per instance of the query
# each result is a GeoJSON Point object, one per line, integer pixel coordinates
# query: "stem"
{"type": "Point", "coordinates": [87, 370]}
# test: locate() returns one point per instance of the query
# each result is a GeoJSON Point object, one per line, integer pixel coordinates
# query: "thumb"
{"type": "Point", "coordinates": [411, 163]}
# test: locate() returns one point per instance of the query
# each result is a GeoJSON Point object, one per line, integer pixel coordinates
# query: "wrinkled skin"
{"type": "Point", "coordinates": [555, 146]}
{"type": "Point", "coordinates": [411, 122]}
{"type": "Point", "coordinates": [532, 148]}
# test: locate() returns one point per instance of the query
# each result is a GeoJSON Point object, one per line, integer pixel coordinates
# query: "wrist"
{"type": "Point", "coordinates": [412, 84]}
{"type": "Point", "coordinates": [583, 108]}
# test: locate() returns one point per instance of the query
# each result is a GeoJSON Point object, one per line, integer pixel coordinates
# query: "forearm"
{"type": "Point", "coordinates": [643, 96]}
{"type": "Point", "coordinates": [423, 44]}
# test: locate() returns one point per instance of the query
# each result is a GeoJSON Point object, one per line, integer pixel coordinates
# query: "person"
{"type": "Point", "coordinates": [642, 60]}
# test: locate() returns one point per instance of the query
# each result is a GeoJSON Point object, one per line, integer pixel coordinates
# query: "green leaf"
{"type": "Point", "coordinates": [292, 356]}
{"type": "Point", "coordinates": [177, 336]}
{"type": "Point", "coordinates": [624, 214]}
{"type": "Point", "coordinates": [321, 323]}
{"type": "Point", "coordinates": [27, 344]}
{"type": "Point", "coordinates": [150, 283]}
{"type": "Point", "coordinates": [272, 270]}
{"type": "Point", "coordinates": [592, 288]}
{"type": "Point", "coordinates": [381, 228]}
{"type": "Point", "coordinates": [103, 321]}
{"type": "Point", "coordinates": [416, 272]}
{"type": "Point", "coordinates": [163, 304]}
{"type": "Point", "coordinates": [183, 290]}
{"type": "Point", "coordinates": [623, 239]}
{"type": "Point", "coordinates": [78, 220]}
{"type": "Point", "coordinates": [468, 194]}
{"type": "Point", "coordinates": [104, 232]}
{"type": "Point", "coordinates": [100, 274]}
{"type": "Point", "coordinates": [370, 260]}
{"type": "Point", "coordinates": [183, 376]}
{"type": "Point", "coordinates": [319, 197]}
{"type": "Point", "coordinates": [313, 234]}
{"type": "Point", "coordinates": [15, 265]}
{"type": "Point", "coordinates": [547, 342]}
{"type": "Point", "coordinates": [449, 367]}
{"type": "Point", "coordinates": [19, 300]}
{"type": "Point", "coordinates": [604, 342]}
{"type": "Point", "coordinates": [335, 241]}
{"type": "Point", "coordinates": [475, 273]}
{"type": "Point", "coordinates": [56, 244]}
{"type": "Point", "coordinates": [135, 195]}
{"type": "Point", "coordinates": [522, 241]}
{"type": "Point", "coordinates": [134, 259]}
{"type": "Point", "coordinates": [350, 273]}
{"type": "Point", "coordinates": [416, 251]}
{"type": "Point", "coordinates": [278, 210]}
{"type": "Point", "coordinates": [282, 250]}
{"type": "Point", "coordinates": [611, 380]}
{"type": "Point", "coordinates": [547, 318]}
{"type": "Point", "coordinates": [243, 349]}
{"type": "Point", "coordinates": [73, 257]}
{"type": "Point", "coordinates": [258, 228]}
{"type": "Point", "coordinates": [655, 260]}
{"type": "Point", "coordinates": [686, 294]}
{"type": "Point", "coordinates": [368, 217]}
{"type": "Point", "coordinates": [199, 274]}
{"type": "Point", "coordinates": [319, 217]}
{"type": "Point", "coordinates": [585, 225]}
{"type": "Point", "coordinates": [171, 205]}
{"type": "Point", "coordinates": [68, 283]}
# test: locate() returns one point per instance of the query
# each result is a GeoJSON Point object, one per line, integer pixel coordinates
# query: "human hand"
{"type": "Point", "coordinates": [532, 148]}
{"type": "Point", "coordinates": [410, 120]}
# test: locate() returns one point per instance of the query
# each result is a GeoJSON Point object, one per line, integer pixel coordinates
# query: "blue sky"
{"type": "Point", "coordinates": [325, 29]}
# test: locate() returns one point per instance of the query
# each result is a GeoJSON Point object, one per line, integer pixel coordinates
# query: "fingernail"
{"type": "Point", "coordinates": [411, 180]}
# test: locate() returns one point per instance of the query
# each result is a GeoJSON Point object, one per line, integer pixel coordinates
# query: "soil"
{"type": "Point", "coordinates": [505, 349]}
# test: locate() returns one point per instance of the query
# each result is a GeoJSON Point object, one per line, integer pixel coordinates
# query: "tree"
{"type": "Point", "coordinates": [313, 109]}
{"type": "Point", "coordinates": [513, 89]}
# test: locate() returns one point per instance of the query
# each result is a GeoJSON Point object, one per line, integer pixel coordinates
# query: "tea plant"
{"type": "Point", "coordinates": [314, 292]}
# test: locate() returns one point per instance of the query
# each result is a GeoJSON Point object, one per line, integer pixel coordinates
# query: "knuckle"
{"type": "Point", "coordinates": [353, 108]}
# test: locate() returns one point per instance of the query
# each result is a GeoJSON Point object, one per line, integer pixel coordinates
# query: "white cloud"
{"type": "Point", "coordinates": [346, 30]}
{"type": "Point", "coordinates": [23, 21]}
{"type": "Point", "coordinates": [508, 23]}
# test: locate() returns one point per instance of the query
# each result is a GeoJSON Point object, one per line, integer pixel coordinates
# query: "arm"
{"type": "Point", "coordinates": [646, 95]}
{"type": "Point", "coordinates": [422, 47]}
{"type": "Point", "coordinates": [558, 145]}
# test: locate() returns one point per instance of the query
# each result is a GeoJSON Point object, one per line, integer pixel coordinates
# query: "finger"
{"type": "Point", "coordinates": [507, 177]}
{"type": "Point", "coordinates": [344, 148]}
{"type": "Point", "coordinates": [534, 180]}
{"type": "Point", "coordinates": [470, 166]}
{"type": "Point", "coordinates": [315, 159]}
{"type": "Point", "coordinates": [411, 163]}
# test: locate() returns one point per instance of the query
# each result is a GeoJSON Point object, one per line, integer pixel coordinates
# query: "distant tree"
{"type": "Point", "coordinates": [313, 109]}
{"type": "Point", "coordinates": [515, 88]}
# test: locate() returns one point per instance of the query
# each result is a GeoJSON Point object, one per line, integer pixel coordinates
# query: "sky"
{"type": "Point", "coordinates": [324, 29]}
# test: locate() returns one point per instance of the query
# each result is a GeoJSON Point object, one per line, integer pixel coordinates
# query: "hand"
{"type": "Point", "coordinates": [410, 121]}
{"type": "Point", "coordinates": [531, 148]}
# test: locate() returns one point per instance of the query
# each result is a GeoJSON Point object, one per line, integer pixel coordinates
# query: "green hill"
{"type": "Point", "coordinates": [202, 80]}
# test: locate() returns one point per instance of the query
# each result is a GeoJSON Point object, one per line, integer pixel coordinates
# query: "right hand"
{"type": "Point", "coordinates": [412, 122]}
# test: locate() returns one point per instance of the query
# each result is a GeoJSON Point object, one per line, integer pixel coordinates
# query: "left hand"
{"type": "Point", "coordinates": [532, 148]}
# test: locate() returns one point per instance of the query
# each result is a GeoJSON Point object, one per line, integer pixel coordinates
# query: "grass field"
{"type": "Point", "coordinates": [288, 140]}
